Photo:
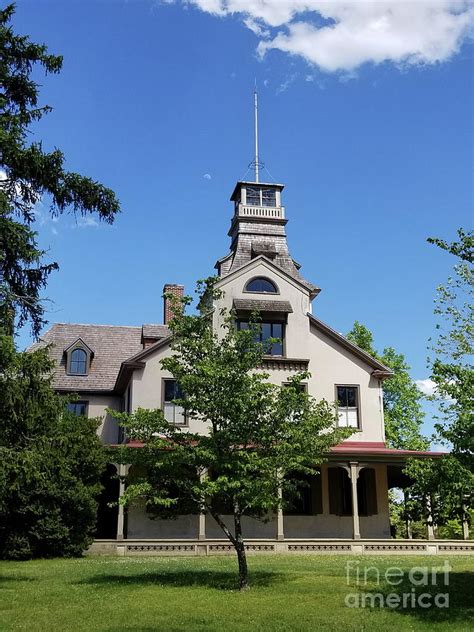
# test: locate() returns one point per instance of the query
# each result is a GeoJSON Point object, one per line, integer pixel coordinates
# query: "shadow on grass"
{"type": "Point", "coordinates": [219, 580]}
{"type": "Point", "coordinates": [442, 602]}
{"type": "Point", "coordinates": [5, 580]}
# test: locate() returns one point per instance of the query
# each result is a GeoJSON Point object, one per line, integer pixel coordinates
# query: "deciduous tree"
{"type": "Point", "coordinates": [259, 437]}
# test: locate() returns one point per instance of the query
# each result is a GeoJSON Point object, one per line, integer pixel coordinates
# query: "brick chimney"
{"type": "Point", "coordinates": [175, 290]}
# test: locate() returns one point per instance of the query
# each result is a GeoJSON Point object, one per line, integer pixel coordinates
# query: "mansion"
{"type": "Point", "coordinates": [346, 508]}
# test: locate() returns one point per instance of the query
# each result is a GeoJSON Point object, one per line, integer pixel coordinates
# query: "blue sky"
{"type": "Point", "coordinates": [153, 96]}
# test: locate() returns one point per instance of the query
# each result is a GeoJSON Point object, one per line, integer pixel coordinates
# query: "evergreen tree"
{"type": "Point", "coordinates": [50, 461]}
{"type": "Point", "coordinates": [29, 175]}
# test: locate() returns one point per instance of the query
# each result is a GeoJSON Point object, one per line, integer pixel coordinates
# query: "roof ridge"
{"type": "Point", "coordinates": [98, 325]}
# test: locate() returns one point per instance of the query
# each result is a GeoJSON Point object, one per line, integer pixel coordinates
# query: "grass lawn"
{"type": "Point", "coordinates": [287, 593]}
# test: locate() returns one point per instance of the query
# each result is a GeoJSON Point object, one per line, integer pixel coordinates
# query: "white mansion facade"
{"type": "Point", "coordinates": [120, 368]}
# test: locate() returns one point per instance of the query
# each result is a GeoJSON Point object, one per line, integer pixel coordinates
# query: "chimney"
{"type": "Point", "coordinates": [175, 290]}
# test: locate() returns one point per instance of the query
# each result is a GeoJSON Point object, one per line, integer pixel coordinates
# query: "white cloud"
{"type": "Point", "coordinates": [86, 222]}
{"type": "Point", "coordinates": [207, 176]}
{"type": "Point", "coordinates": [341, 35]}
{"type": "Point", "coordinates": [427, 386]}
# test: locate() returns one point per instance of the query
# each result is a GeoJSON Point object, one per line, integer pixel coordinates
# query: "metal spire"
{"type": "Point", "coordinates": [255, 95]}
{"type": "Point", "coordinates": [256, 164]}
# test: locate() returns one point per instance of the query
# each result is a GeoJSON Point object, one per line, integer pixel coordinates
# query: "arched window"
{"type": "Point", "coordinates": [261, 285]}
{"type": "Point", "coordinates": [78, 362]}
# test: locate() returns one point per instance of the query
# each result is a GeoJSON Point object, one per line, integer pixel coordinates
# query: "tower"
{"type": "Point", "coordinates": [258, 224]}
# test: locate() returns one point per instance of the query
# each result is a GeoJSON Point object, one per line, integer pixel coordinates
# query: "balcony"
{"type": "Point", "coordinates": [267, 212]}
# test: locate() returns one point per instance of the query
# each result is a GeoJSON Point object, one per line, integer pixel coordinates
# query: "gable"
{"type": "Point", "coordinates": [348, 348]}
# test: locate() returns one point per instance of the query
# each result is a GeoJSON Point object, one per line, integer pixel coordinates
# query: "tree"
{"type": "Point", "coordinates": [453, 350]}
{"type": "Point", "coordinates": [28, 174]}
{"type": "Point", "coordinates": [402, 398]}
{"type": "Point", "coordinates": [449, 481]}
{"type": "Point", "coordinates": [50, 463]}
{"type": "Point", "coordinates": [261, 437]}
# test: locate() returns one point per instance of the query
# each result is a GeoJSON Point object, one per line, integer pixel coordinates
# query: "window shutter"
{"type": "Point", "coordinates": [371, 491]}
{"type": "Point", "coordinates": [335, 491]}
{"type": "Point", "coordinates": [317, 496]}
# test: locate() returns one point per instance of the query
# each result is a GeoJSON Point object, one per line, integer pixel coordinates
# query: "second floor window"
{"type": "Point", "coordinates": [348, 406]}
{"type": "Point", "coordinates": [78, 408]}
{"type": "Point", "coordinates": [174, 413]}
{"type": "Point", "coordinates": [78, 362]}
{"type": "Point", "coordinates": [264, 334]}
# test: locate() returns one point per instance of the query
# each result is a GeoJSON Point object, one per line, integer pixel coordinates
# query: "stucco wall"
{"type": "Point", "coordinates": [329, 363]}
{"type": "Point", "coordinates": [108, 430]}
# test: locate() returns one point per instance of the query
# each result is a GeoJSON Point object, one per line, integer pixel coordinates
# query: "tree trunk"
{"type": "Point", "coordinates": [241, 554]}
{"type": "Point", "coordinates": [239, 546]}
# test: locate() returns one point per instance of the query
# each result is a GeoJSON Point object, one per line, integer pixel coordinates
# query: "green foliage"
{"type": "Point", "coordinates": [453, 351]}
{"type": "Point", "coordinates": [28, 176]}
{"type": "Point", "coordinates": [260, 436]}
{"type": "Point", "coordinates": [402, 398]}
{"type": "Point", "coordinates": [50, 462]}
{"type": "Point", "coordinates": [445, 483]}
{"type": "Point", "coordinates": [449, 482]}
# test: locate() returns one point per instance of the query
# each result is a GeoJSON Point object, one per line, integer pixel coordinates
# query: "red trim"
{"type": "Point", "coordinates": [377, 448]}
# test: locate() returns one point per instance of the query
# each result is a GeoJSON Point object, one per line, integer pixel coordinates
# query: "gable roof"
{"type": "Point", "coordinates": [380, 370]}
{"type": "Point", "coordinates": [312, 289]}
{"type": "Point", "coordinates": [112, 345]}
{"type": "Point", "coordinates": [79, 343]}
{"type": "Point", "coordinates": [137, 362]}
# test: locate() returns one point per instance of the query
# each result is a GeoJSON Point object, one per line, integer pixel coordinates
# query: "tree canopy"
{"type": "Point", "coordinates": [260, 437]}
{"type": "Point", "coordinates": [29, 176]}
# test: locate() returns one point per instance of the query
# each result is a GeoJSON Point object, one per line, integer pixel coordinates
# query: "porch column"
{"type": "Point", "coordinates": [354, 475]}
{"type": "Point", "coordinates": [122, 472]}
{"type": "Point", "coordinates": [429, 521]}
{"type": "Point", "coordinates": [465, 523]}
{"type": "Point", "coordinates": [202, 515]}
{"type": "Point", "coordinates": [409, 532]}
{"type": "Point", "coordinates": [280, 526]}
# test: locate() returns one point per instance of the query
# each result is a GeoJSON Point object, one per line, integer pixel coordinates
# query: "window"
{"type": "Point", "coordinates": [257, 196]}
{"type": "Point", "coordinates": [367, 492]}
{"type": "Point", "coordinates": [348, 406]}
{"type": "Point", "coordinates": [308, 498]}
{"type": "Point", "coordinates": [302, 386]}
{"type": "Point", "coordinates": [340, 492]}
{"type": "Point", "coordinates": [265, 332]}
{"type": "Point", "coordinates": [174, 413]}
{"type": "Point", "coordinates": [78, 408]}
{"type": "Point", "coordinates": [262, 286]}
{"type": "Point", "coordinates": [78, 362]}
{"type": "Point", "coordinates": [253, 196]}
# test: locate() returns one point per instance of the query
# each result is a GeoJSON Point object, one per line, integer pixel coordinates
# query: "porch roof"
{"type": "Point", "coordinates": [378, 449]}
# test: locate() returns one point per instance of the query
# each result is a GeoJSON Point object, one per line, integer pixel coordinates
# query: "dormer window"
{"type": "Point", "coordinates": [261, 285]}
{"type": "Point", "coordinates": [78, 362]}
{"type": "Point", "coordinates": [78, 358]}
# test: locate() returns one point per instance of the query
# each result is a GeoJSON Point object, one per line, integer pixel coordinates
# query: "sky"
{"type": "Point", "coordinates": [365, 116]}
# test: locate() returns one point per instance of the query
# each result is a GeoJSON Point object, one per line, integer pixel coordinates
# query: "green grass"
{"type": "Point", "coordinates": [287, 593]}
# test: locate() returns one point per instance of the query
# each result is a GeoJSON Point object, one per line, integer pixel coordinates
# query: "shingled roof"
{"type": "Point", "coordinates": [112, 345]}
